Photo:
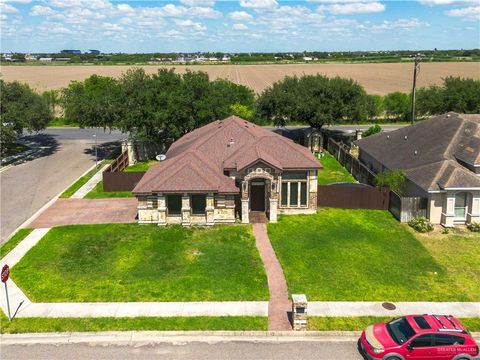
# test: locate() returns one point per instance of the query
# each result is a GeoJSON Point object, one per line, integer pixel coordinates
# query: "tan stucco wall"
{"type": "Point", "coordinates": [435, 207]}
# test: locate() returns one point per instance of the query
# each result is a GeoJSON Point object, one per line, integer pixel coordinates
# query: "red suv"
{"type": "Point", "coordinates": [425, 337]}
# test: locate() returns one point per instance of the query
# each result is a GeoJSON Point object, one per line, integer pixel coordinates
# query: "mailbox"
{"type": "Point", "coordinates": [299, 312]}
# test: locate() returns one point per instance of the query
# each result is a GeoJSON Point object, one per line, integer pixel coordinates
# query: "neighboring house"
{"type": "Point", "coordinates": [226, 168]}
{"type": "Point", "coordinates": [441, 161]}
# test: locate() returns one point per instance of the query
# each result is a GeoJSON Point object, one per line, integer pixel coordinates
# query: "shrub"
{"type": "Point", "coordinates": [445, 231]}
{"type": "Point", "coordinates": [421, 224]}
{"type": "Point", "coordinates": [394, 179]}
{"type": "Point", "coordinates": [375, 129]}
{"type": "Point", "coordinates": [474, 226]}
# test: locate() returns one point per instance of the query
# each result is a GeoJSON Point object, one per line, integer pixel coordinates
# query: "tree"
{"type": "Point", "coordinates": [397, 106]}
{"type": "Point", "coordinates": [372, 130]}
{"type": "Point", "coordinates": [313, 99]}
{"type": "Point", "coordinates": [394, 179]}
{"type": "Point", "coordinates": [242, 111]}
{"type": "Point", "coordinates": [374, 106]}
{"type": "Point", "coordinates": [93, 102]}
{"type": "Point", "coordinates": [21, 109]}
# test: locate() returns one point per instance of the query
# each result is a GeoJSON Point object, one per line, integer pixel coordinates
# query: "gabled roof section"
{"type": "Point", "coordinates": [232, 143]}
{"type": "Point", "coordinates": [431, 152]}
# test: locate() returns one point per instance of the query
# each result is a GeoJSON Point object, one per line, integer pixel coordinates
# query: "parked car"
{"type": "Point", "coordinates": [422, 337]}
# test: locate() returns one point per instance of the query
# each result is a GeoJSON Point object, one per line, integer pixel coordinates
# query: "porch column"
{"type": "Point", "coordinates": [162, 210]}
{"type": "Point", "coordinates": [473, 214]}
{"type": "Point", "coordinates": [186, 210]}
{"type": "Point", "coordinates": [209, 209]}
{"type": "Point", "coordinates": [245, 219]}
{"type": "Point", "coordinates": [273, 210]}
{"type": "Point", "coordinates": [449, 211]}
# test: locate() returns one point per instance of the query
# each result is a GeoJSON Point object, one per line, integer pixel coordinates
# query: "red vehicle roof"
{"type": "Point", "coordinates": [441, 323]}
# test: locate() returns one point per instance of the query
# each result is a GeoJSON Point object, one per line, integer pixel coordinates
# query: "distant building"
{"type": "Point", "coordinates": [30, 57]}
{"type": "Point", "coordinates": [75, 52]}
{"type": "Point", "coordinates": [226, 58]}
{"type": "Point", "coordinates": [94, 52]}
{"type": "Point", "coordinates": [307, 58]}
{"type": "Point", "coordinates": [45, 59]}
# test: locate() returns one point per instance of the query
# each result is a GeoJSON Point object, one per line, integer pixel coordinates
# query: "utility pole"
{"type": "Point", "coordinates": [416, 68]}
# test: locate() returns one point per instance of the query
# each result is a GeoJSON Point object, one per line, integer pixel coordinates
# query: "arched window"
{"type": "Point", "coordinates": [461, 205]}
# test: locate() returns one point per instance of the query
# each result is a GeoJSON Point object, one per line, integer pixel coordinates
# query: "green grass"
{"type": "Point", "coordinates": [140, 166]}
{"type": "Point", "coordinates": [358, 255]}
{"type": "Point", "coordinates": [14, 240]}
{"type": "Point", "coordinates": [61, 122]}
{"type": "Point", "coordinates": [332, 171]}
{"type": "Point", "coordinates": [38, 325]}
{"type": "Point", "coordinates": [131, 262]}
{"type": "Point", "coordinates": [82, 181]}
{"type": "Point", "coordinates": [318, 323]}
{"type": "Point", "coordinates": [98, 193]}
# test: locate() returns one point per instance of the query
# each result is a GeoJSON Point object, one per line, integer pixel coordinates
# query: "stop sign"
{"type": "Point", "coordinates": [5, 273]}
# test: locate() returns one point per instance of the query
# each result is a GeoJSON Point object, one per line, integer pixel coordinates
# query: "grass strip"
{"type": "Point", "coordinates": [82, 181]}
{"type": "Point", "coordinates": [14, 241]}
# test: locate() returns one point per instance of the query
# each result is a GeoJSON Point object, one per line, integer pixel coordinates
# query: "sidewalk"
{"type": "Point", "coordinates": [90, 184]}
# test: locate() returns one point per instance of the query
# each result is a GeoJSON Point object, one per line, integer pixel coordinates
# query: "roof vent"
{"type": "Point", "coordinates": [231, 142]}
{"type": "Point", "coordinates": [388, 136]}
{"type": "Point", "coordinates": [415, 152]}
{"type": "Point", "coordinates": [448, 115]}
{"type": "Point", "coordinates": [406, 137]}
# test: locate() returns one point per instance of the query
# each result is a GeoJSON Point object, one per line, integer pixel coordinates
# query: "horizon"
{"type": "Point", "coordinates": [244, 26]}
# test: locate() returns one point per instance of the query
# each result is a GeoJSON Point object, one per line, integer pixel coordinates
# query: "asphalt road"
{"type": "Point", "coordinates": [232, 350]}
{"type": "Point", "coordinates": [64, 154]}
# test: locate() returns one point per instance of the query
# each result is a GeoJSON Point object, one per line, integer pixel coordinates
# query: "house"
{"type": "Point", "coordinates": [228, 169]}
{"type": "Point", "coordinates": [441, 161]}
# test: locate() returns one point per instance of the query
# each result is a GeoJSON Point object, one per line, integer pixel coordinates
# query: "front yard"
{"type": "Point", "coordinates": [130, 262]}
{"type": "Point", "coordinates": [366, 255]}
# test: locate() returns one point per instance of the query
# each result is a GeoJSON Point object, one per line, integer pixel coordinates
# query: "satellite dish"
{"type": "Point", "coordinates": [160, 157]}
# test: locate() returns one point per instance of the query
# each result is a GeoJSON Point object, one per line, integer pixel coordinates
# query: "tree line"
{"type": "Point", "coordinates": [165, 105]}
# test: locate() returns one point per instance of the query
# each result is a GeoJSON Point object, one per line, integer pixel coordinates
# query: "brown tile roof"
{"type": "Point", "coordinates": [428, 151]}
{"type": "Point", "coordinates": [196, 161]}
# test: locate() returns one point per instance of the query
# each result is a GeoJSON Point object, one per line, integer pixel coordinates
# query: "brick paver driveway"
{"type": "Point", "coordinates": [87, 211]}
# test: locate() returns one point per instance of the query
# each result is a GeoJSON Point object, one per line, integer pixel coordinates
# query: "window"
{"type": "Point", "coordinates": [294, 189]}
{"type": "Point", "coordinates": [422, 341]}
{"type": "Point", "coordinates": [400, 330]}
{"type": "Point", "coordinates": [422, 322]}
{"type": "Point", "coordinates": [174, 204]}
{"type": "Point", "coordinates": [448, 340]}
{"type": "Point", "coordinates": [461, 205]}
{"type": "Point", "coordinates": [199, 202]}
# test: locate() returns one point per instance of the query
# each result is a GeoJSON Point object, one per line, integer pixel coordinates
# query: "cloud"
{"type": "Point", "coordinates": [7, 9]}
{"type": "Point", "coordinates": [17, 1]}
{"type": "Point", "coordinates": [468, 13]}
{"type": "Point", "coordinates": [39, 10]}
{"type": "Point", "coordinates": [353, 8]}
{"type": "Point", "coordinates": [400, 24]}
{"type": "Point", "coordinates": [240, 16]}
{"type": "Point", "coordinates": [190, 24]}
{"type": "Point", "coordinates": [200, 3]}
{"type": "Point", "coordinates": [239, 27]}
{"type": "Point", "coordinates": [204, 12]}
{"type": "Point", "coordinates": [259, 4]}
{"type": "Point", "coordinates": [125, 8]}
{"type": "Point", "coordinates": [436, 2]}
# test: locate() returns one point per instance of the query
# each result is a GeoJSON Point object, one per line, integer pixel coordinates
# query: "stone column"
{"type": "Point", "coordinates": [273, 210]}
{"type": "Point", "coordinates": [449, 211]}
{"type": "Point", "coordinates": [245, 210]}
{"type": "Point", "coordinates": [162, 210]}
{"type": "Point", "coordinates": [299, 312]}
{"type": "Point", "coordinates": [209, 209]}
{"type": "Point", "coordinates": [186, 210]}
{"type": "Point", "coordinates": [312, 190]}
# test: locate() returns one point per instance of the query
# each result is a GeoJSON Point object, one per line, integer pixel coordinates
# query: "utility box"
{"type": "Point", "coordinates": [299, 312]}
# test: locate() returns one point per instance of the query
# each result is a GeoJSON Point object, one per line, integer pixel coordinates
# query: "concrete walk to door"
{"type": "Point", "coordinates": [279, 305]}
{"type": "Point", "coordinates": [87, 211]}
{"type": "Point", "coordinates": [90, 184]}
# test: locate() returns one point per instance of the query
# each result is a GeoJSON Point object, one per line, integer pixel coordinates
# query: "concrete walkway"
{"type": "Point", "coordinates": [279, 305]}
{"type": "Point", "coordinates": [90, 184]}
{"type": "Point", "coordinates": [87, 211]}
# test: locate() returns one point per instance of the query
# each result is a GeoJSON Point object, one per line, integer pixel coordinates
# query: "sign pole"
{"type": "Point", "coordinates": [8, 302]}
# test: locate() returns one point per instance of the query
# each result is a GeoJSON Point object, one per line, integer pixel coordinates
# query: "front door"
{"type": "Point", "coordinates": [257, 195]}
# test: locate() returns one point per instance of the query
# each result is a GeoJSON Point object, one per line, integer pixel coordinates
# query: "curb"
{"type": "Point", "coordinates": [176, 337]}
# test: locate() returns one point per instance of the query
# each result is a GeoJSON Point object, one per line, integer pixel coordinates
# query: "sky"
{"type": "Point", "coordinates": [238, 25]}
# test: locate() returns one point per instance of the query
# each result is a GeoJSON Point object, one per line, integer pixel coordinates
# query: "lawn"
{"type": "Point", "coordinates": [98, 193]}
{"type": "Point", "coordinates": [13, 241]}
{"type": "Point", "coordinates": [83, 180]}
{"type": "Point", "coordinates": [140, 166]}
{"type": "Point", "coordinates": [333, 171]}
{"type": "Point", "coordinates": [356, 255]}
{"type": "Point", "coordinates": [131, 262]}
{"type": "Point", "coordinates": [29, 325]}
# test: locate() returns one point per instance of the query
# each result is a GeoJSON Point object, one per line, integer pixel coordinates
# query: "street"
{"type": "Point", "coordinates": [244, 350]}
{"type": "Point", "coordinates": [64, 154]}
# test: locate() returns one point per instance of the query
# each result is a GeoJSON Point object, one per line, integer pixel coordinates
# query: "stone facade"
{"type": "Point", "coordinates": [223, 209]}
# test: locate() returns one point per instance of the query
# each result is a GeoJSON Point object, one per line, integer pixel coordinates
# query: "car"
{"type": "Point", "coordinates": [418, 337]}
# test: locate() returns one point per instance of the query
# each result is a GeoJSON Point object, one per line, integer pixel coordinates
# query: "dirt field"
{"type": "Point", "coordinates": [376, 78]}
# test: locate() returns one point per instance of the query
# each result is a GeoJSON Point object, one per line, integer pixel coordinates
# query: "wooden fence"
{"type": "Point", "coordinates": [114, 179]}
{"type": "Point", "coordinates": [353, 196]}
{"type": "Point", "coordinates": [407, 208]}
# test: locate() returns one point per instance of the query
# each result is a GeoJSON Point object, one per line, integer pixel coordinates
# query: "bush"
{"type": "Point", "coordinates": [394, 179]}
{"type": "Point", "coordinates": [375, 129]}
{"type": "Point", "coordinates": [474, 226]}
{"type": "Point", "coordinates": [421, 224]}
